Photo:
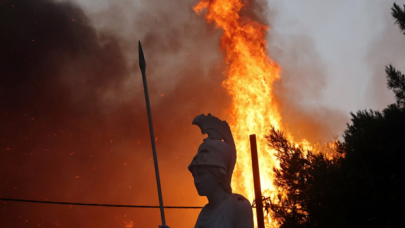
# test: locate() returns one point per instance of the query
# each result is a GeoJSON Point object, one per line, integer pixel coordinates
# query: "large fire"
{"type": "Point", "coordinates": [249, 81]}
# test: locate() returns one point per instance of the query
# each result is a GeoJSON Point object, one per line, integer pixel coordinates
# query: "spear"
{"type": "Point", "coordinates": [142, 65]}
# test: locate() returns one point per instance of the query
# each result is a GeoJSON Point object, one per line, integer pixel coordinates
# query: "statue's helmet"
{"type": "Point", "coordinates": [217, 150]}
{"type": "Point", "coordinates": [213, 153]}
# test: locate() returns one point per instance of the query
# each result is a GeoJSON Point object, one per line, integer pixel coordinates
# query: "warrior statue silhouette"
{"type": "Point", "coordinates": [212, 169]}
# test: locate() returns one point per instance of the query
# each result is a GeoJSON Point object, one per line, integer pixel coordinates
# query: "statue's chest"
{"type": "Point", "coordinates": [222, 217]}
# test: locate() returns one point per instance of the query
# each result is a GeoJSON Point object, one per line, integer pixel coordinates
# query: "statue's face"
{"type": "Point", "coordinates": [205, 182]}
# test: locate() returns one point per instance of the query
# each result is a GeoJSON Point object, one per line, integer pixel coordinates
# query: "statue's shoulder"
{"type": "Point", "coordinates": [243, 212]}
{"type": "Point", "coordinates": [240, 202]}
{"type": "Point", "coordinates": [238, 198]}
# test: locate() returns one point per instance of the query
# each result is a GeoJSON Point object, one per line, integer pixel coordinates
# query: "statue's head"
{"type": "Point", "coordinates": [217, 154]}
{"type": "Point", "coordinates": [208, 179]}
{"type": "Point", "coordinates": [210, 166]}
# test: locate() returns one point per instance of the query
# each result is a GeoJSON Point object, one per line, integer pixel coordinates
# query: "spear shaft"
{"type": "Point", "coordinates": [142, 65]}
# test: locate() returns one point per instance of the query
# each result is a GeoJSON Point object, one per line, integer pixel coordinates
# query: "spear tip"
{"type": "Point", "coordinates": [142, 63]}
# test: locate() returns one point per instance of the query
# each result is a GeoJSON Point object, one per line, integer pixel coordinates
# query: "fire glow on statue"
{"type": "Point", "coordinates": [249, 81]}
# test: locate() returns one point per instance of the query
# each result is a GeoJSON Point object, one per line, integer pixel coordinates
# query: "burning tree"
{"type": "Point", "coordinates": [308, 181]}
{"type": "Point", "coordinates": [361, 186]}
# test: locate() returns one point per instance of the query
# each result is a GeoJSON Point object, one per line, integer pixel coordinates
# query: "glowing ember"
{"type": "Point", "coordinates": [128, 224]}
{"type": "Point", "coordinates": [250, 78]}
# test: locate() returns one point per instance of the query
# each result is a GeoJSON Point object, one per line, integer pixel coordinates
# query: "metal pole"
{"type": "Point", "coordinates": [256, 181]}
{"type": "Point", "coordinates": [142, 65]}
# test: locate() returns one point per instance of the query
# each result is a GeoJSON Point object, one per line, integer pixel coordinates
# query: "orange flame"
{"type": "Point", "coordinates": [250, 80]}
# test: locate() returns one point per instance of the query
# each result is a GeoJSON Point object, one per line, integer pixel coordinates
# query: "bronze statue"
{"type": "Point", "coordinates": [212, 169]}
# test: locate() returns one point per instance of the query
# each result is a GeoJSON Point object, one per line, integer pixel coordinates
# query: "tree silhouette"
{"type": "Point", "coordinates": [292, 177]}
{"type": "Point", "coordinates": [395, 79]}
{"type": "Point", "coordinates": [399, 15]}
{"type": "Point", "coordinates": [373, 168]}
{"type": "Point", "coordinates": [396, 82]}
{"type": "Point", "coordinates": [309, 185]}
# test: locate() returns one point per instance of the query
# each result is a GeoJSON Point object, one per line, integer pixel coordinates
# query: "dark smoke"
{"type": "Point", "coordinates": [73, 123]}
